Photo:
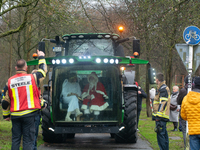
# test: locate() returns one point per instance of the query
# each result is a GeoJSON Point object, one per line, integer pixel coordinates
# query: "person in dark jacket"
{"type": "Point", "coordinates": [141, 94]}
{"type": "Point", "coordinates": [182, 94]}
{"type": "Point", "coordinates": [160, 113]}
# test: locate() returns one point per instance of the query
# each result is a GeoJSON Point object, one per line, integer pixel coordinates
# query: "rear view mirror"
{"type": "Point", "coordinates": [41, 46]}
{"type": "Point", "coordinates": [152, 75]}
{"type": "Point", "coordinates": [136, 48]}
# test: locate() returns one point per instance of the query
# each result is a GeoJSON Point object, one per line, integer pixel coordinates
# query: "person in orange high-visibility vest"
{"type": "Point", "coordinates": [22, 102]}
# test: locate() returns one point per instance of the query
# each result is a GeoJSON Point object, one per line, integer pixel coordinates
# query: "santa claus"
{"type": "Point", "coordinates": [93, 97]}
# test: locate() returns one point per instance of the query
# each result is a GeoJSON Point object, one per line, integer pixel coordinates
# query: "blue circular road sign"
{"type": "Point", "coordinates": [191, 35]}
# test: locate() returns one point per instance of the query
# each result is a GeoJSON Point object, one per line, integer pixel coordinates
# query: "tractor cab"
{"type": "Point", "coordinates": [108, 88]}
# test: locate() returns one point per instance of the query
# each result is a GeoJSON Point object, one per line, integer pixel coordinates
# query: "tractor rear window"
{"type": "Point", "coordinates": [86, 93]}
{"type": "Point", "coordinates": [91, 47]}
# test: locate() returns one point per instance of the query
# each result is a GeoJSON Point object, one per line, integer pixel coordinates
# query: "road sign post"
{"type": "Point", "coordinates": [191, 35]}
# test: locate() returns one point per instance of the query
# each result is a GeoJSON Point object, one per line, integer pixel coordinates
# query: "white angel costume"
{"type": "Point", "coordinates": [72, 101]}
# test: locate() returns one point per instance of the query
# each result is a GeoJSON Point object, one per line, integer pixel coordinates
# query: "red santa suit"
{"type": "Point", "coordinates": [97, 92]}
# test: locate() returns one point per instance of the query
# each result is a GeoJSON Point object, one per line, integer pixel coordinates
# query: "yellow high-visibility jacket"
{"type": "Point", "coordinates": [190, 111]}
{"type": "Point", "coordinates": [161, 104]}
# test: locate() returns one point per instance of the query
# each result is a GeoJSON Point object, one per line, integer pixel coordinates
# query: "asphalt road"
{"type": "Point", "coordinates": [99, 141]}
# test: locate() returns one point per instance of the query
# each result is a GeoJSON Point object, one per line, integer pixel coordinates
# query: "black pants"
{"type": "Point", "coordinates": [175, 125]}
{"type": "Point", "coordinates": [23, 126]}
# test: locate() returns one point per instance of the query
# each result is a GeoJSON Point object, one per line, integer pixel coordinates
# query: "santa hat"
{"type": "Point", "coordinates": [94, 75]}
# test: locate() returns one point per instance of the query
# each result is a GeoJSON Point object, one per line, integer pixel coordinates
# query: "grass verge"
{"type": "Point", "coordinates": [146, 127]}
{"type": "Point", "coordinates": [6, 133]}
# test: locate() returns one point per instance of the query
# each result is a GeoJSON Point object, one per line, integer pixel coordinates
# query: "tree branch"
{"type": "Point", "coordinates": [16, 6]}
{"type": "Point", "coordinates": [21, 26]}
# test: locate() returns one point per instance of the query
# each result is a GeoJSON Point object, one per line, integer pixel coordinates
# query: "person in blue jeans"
{"type": "Point", "coordinates": [162, 135]}
{"type": "Point", "coordinates": [190, 113]}
{"type": "Point", "coordinates": [37, 123]}
{"type": "Point", "coordinates": [161, 112]}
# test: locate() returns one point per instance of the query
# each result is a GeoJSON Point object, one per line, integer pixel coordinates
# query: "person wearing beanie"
{"type": "Point", "coordinates": [190, 112]}
{"type": "Point", "coordinates": [182, 94]}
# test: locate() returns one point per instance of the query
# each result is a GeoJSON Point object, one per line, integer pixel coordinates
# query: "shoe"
{"type": "Point", "coordinates": [68, 119]}
{"type": "Point", "coordinates": [79, 114]}
{"type": "Point", "coordinates": [138, 130]}
{"type": "Point", "coordinates": [175, 130]}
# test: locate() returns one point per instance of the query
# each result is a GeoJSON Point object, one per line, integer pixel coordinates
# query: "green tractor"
{"type": "Point", "coordinates": [102, 54]}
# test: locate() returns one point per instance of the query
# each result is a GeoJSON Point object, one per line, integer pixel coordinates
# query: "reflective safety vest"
{"type": "Point", "coordinates": [23, 93]}
{"type": "Point", "coordinates": [161, 103]}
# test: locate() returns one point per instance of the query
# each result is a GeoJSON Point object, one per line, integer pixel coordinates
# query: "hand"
{"type": "Point", "coordinates": [7, 119]}
{"type": "Point", "coordinates": [45, 106]}
{"type": "Point", "coordinates": [139, 92]}
{"type": "Point", "coordinates": [88, 97]}
{"type": "Point", "coordinates": [40, 53]}
{"type": "Point", "coordinates": [74, 94]}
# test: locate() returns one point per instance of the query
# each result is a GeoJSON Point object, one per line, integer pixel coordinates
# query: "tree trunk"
{"type": "Point", "coordinates": [10, 58]}
{"type": "Point", "coordinates": [149, 112]}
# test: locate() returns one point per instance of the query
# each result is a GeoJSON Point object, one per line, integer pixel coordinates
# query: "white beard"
{"type": "Point", "coordinates": [92, 84]}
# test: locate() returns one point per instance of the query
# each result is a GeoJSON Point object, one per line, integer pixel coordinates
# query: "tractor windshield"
{"type": "Point", "coordinates": [91, 47]}
{"type": "Point", "coordinates": [86, 93]}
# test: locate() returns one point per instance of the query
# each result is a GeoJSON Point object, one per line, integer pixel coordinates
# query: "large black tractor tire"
{"type": "Point", "coordinates": [48, 135]}
{"type": "Point", "coordinates": [128, 134]}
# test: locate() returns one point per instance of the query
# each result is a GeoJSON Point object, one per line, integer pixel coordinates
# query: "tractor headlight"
{"type": "Point", "coordinates": [64, 61]}
{"type": "Point", "coordinates": [57, 61]}
{"type": "Point", "coordinates": [71, 60]}
{"type": "Point", "coordinates": [53, 61]}
{"type": "Point", "coordinates": [105, 60]}
{"type": "Point", "coordinates": [112, 61]}
{"type": "Point", "coordinates": [116, 61]}
{"type": "Point", "coordinates": [98, 60]}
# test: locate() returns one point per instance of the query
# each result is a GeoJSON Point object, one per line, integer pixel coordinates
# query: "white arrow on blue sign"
{"type": "Point", "coordinates": [191, 35]}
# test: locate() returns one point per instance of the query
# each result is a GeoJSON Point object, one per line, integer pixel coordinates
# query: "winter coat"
{"type": "Point", "coordinates": [161, 103]}
{"type": "Point", "coordinates": [139, 98]}
{"type": "Point", "coordinates": [182, 94]}
{"type": "Point", "coordinates": [152, 93]}
{"type": "Point", "coordinates": [173, 114]}
{"type": "Point", "coordinates": [190, 111]}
